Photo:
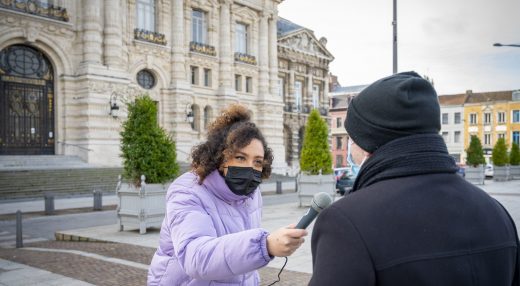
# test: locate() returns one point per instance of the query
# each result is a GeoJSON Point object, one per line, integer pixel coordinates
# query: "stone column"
{"type": "Point", "coordinates": [291, 98]}
{"type": "Point", "coordinates": [263, 58]}
{"type": "Point", "coordinates": [178, 75]}
{"type": "Point", "coordinates": [325, 99]}
{"type": "Point", "coordinates": [273, 55]}
{"type": "Point", "coordinates": [92, 31]}
{"type": "Point", "coordinates": [309, 88]}
{"type": "Point", "coordinates": [226, 56]}
{"type": "Point", "coordinates": [113, 40]}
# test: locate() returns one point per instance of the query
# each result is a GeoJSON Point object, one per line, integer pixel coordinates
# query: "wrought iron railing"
{"type": "Point", "coordinates": [203, 49]}
{"type": "Point", "coordinates": [149, 36]}
{"type": "Point", "coordinates": [36, 8]}
{"type": "Point", "coordinates": [245, 58]}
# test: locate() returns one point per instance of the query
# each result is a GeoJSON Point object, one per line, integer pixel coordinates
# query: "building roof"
{"type": "Point", "coordinates": [348, 89]}
{"type": "Point", "coordinates": [285, 27]}
{"type": "Point", "coordinates": [454, 99]}
{"type": "Point", "coordinates": [475, 97]}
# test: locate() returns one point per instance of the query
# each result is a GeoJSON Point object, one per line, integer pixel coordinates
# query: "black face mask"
{"type": "Point", "coordinates": [242, 180]}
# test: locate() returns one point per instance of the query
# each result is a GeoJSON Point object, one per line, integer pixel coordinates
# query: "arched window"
{"type": "Point", "coordinates": [208, 116]}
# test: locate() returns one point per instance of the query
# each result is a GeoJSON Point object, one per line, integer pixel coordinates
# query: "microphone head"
{"type": "Point", "coordinates": [320, 201]}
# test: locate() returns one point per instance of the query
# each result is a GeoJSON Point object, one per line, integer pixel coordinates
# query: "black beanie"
{"type": "Point", "coordinates": [396, 106]}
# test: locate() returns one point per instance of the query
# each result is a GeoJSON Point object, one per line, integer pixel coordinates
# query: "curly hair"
{"type": "Point", "coordinates": [230, 132]}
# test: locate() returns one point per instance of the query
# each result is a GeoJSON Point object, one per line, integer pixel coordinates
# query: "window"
{"type": "Point", "coordinates": [501, 117]}
{"type": "Point", "coordinates": [238, 82]}
{"type": "Point", "coordinates": [338, 122]}
{"type": "Point", "coordinates": [487, 118]}
{"type": "Point", "coordinates": [316, 96]}
{"type": "Point", "coordinates": [473, 119]}
{"type": "Point", "coordinates": [487, 139]}
{"type": "Point", "coordinates": [249, 84]}
{"type": "Point", "coordinates": [445, 136]}
{"type": "Point", "coordinates": [339, 143]}
{"type": "Point", "coordinates": [146, 79]}
{"type": "Point", "coordinates": [241, 38]}
{"type": "Point", "coordinates": [298, 91]}
{"type": "Point", "coordinates": [516, 116]}
{"type": "Point", "coordinates": [146, 15]}
{"type": "Point", "coordinates": [281, 87]}
{"type": "Point", "coordinates": [445, 118]}
{"type": "Point", "coordinates": [516, 137]}
{"type": "Point", "coordinates": [194, 75]}
{"type": "Point", "coordinates": [207, 77]}
{"type": "Point", "coordinates": [339, 160]}
{"type": "Point", "coordinates": [456, 137]}
{"type": "Point", "coordinates": [501, 136]}
{"type": "Point", "coordinates": [198, 26]}
{"type": "Point", "coordinates": [457, 118]}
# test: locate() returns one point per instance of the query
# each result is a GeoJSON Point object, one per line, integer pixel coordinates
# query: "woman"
{"type": "Point", "coordinates": [211, 233]}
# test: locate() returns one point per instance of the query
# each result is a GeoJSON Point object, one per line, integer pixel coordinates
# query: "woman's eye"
{"type": "Point", "coordinates": [240, 158]}
{"type": "Point", "coordinates": [259, 162]}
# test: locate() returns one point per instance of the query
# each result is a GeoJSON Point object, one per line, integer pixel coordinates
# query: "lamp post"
{"type": "Point", "coordinates": [502, 45]}
{"type": "Point", "coordinates": [394, 23]}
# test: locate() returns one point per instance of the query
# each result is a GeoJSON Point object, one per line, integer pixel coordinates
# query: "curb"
{"type": "Point", "coordinates": [70, 237]}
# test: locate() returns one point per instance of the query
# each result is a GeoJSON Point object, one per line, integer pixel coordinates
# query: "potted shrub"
{"type": "Point", "coordinates": [149, 161]}
{"type": "Point", "coordinates": [475, 161]}
{"type": "Point", "coordinates": [514, 162]}
{"type": "Point", "coordinates": [500, 161]}
{"type": "Point", "coordinates": [315, 160]}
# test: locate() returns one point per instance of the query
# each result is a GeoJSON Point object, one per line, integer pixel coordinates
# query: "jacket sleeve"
{"type": "Point", "coordinates": [201, 253]}
{"type": "Point", "coordinates": [339, 255]}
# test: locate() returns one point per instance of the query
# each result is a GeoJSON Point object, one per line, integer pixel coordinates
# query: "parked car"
{"type": "Point", "coordinates": [488, 171]}
{"type": "Point", "coordinates": [338, 172]}
{"type": "Point", "coordinates": [344, 184]}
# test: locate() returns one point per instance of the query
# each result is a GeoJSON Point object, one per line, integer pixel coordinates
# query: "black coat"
{"type": "Point", "coordinates": [429, 229]}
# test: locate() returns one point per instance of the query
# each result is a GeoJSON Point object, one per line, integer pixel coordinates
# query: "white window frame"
{"type": "Point", "coordinates": [207, 77]}
{"type": "Point", "coordinates": [501, 117]}
{"type": "Point", "coordinates": [146, 15]}
{"type": "Point", "coordinates": [456, 136]}
{"type": "Point", "coordinates": [241, 38]}
{"type": "Point", "coordinates": [447, 117]}
{"type": "Point", "coordinates": [194, 72]}
{"type": "Point", "coordinates": [199, 26]}
{"type": "Point", "coordinates": [298, 95]}
{"type": "Point", "coordinates": [487, 139]}
{"type": "Point", "coordinates": [487, 118]}
{"type": "Point", "coordinates": [471, 117]}
{"type": "Point", "coordinates": [515, 119]}
{"type": "Point", "coordinates": [315, 95]}
{"type": "Point", "coordinates": [455, 121]}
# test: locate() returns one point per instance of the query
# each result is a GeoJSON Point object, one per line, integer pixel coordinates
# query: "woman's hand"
{"type": "Point", "coordinates": [284, 241]}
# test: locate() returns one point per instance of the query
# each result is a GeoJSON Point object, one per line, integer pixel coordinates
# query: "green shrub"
{"type": "Point", "coordinates": [475, 155]}
{"type": "Point", "coordinates": [514, 156]}
{"type": "Point", "coordinates": [499, 155]}
{"type": "Point", "coordinates": [315, 154]}
{"type": "Point", "coordinates": [146, 148]}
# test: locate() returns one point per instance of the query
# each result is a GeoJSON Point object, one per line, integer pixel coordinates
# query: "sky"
{"type": "Point", "coordinates": [450, 41]}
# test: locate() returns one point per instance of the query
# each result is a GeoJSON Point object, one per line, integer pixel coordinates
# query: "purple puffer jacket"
{"type": "Point", "coordinates": [209, 236]}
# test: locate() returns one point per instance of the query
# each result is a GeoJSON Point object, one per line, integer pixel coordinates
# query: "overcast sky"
{"type": "Point", "coordinates": [451, 41]}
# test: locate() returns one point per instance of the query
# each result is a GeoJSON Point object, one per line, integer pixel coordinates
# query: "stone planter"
{"type": "Point", "coordinates": [140, 208]}
{"type": "Point", "coordinates": [309, 185]}
{"type": "Point", "coordinates": [514, 172]}
{"type": "Point", "coordinates": [475, 175]}
{"type": "Point", "coordinates": [500, 173]}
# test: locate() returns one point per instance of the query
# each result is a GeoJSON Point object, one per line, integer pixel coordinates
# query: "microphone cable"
{"type": "Point", "coordinates": [286, 259]}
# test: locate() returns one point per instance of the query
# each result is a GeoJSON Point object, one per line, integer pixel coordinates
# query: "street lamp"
{"type": "Point", "coordinates": [501, 45]}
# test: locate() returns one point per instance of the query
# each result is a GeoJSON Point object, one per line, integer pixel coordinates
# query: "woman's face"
{"type": "Point", "coordinates": [250, 156]}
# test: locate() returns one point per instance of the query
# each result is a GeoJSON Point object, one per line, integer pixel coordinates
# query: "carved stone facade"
{"type": "Point", "coordinates": [303, 71]}
{"type": "Point", "coordinates": [98, 53]}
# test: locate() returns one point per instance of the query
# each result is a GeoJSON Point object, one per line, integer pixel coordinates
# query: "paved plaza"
{"type": "Point", "coordinates": [123, 257]}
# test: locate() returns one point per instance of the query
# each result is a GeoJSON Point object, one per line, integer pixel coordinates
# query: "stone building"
{"type": "Point", "coordinates": [67, 67]}
{"type": "Point", "coordinates": [303, 68]}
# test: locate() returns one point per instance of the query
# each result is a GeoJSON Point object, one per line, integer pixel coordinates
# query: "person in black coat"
{"type": "Point", "coordinates": [409, 220]}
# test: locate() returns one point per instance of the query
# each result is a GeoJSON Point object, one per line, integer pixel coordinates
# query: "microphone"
{"type": "Point", "coordinates": [319, 202]}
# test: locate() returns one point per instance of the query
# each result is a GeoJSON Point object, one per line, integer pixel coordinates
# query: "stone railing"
{"type": "Point", "coordinates": [202, 49]}
{"type": "Point", "coordinates": [36, 8]}
{"type": "Point", "coordinates": [149, 36]}
{"type": "Point", "coordinates": [245, 58]}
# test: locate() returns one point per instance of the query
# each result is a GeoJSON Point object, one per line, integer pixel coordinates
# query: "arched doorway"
{"type": "Point", "coordinates": [26, 102]}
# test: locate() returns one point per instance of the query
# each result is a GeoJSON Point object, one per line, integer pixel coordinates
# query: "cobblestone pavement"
{"type": "Point", "coordinates": [102, 272]}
